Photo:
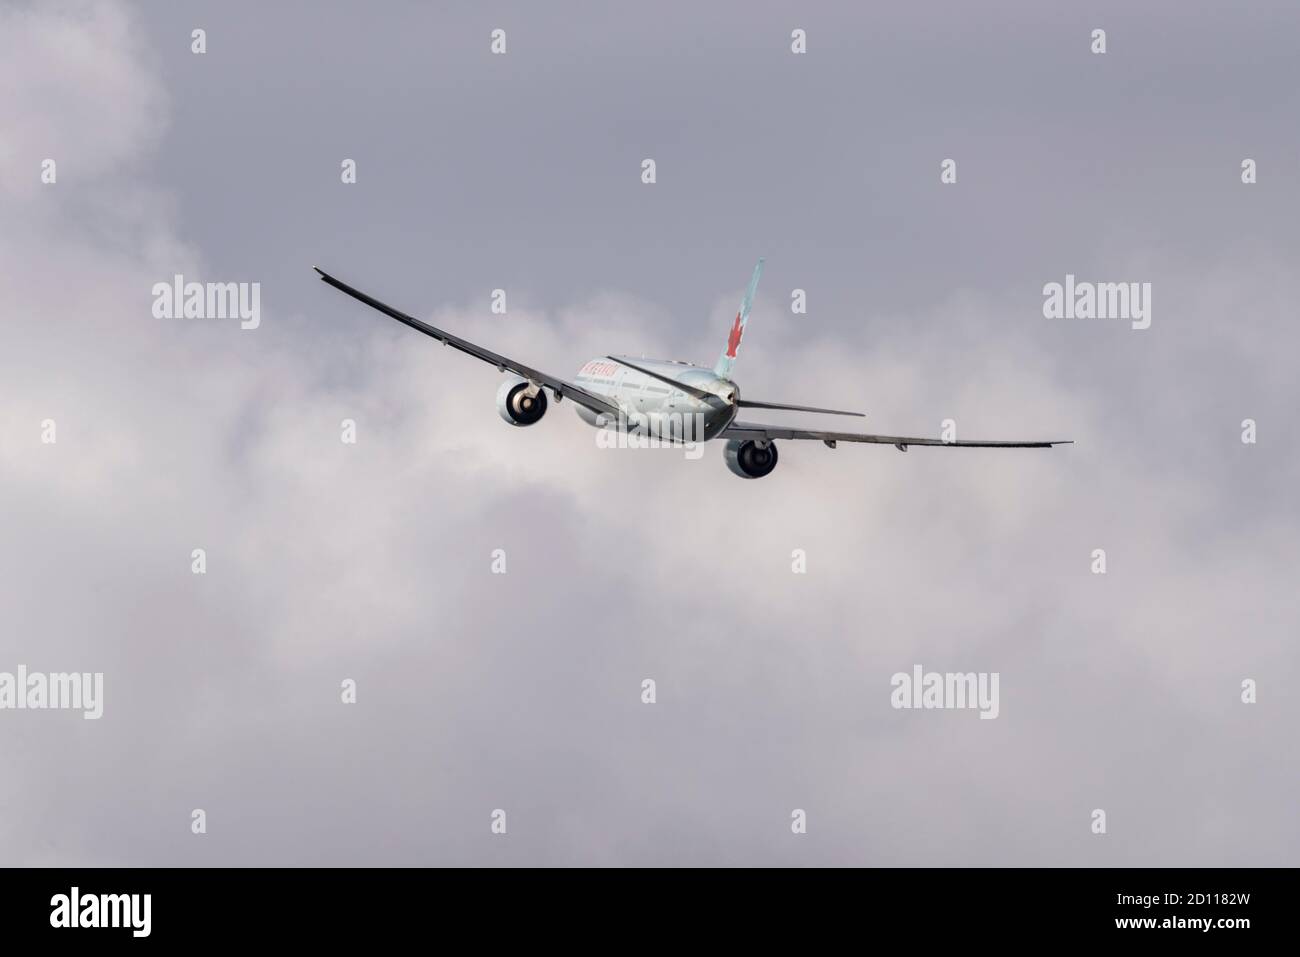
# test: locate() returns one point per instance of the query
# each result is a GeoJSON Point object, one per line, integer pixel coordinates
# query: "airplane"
{"type": "Point", "coordinates": [681, 402]}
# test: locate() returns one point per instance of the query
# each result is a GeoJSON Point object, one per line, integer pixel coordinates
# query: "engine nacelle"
{"type": "Point", "coordinates": [750, 458]}
{"type": "Point", "coordinates": [516, 406]}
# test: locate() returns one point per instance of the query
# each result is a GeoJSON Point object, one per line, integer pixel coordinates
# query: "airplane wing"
{"type": "Point", "coordinates": [560, 387]}
{"type": "Point", "coordinates": [746, 430]}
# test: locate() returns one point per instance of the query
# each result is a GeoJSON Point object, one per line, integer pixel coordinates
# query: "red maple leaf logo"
{"type": "Point", "coordinates": [733, 340]}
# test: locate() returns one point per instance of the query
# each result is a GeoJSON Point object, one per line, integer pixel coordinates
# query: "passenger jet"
{"type": "Point", "coordinates": [677, 401]}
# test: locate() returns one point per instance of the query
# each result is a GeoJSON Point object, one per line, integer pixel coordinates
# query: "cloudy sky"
{"type": "Point", "coordinates": [372, 561]}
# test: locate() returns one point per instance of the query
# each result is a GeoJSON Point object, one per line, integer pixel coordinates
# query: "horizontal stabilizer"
{"type": "Point", "coordinates": [752, 404]}
{"type": "Point", "coordinates": [684, 387]}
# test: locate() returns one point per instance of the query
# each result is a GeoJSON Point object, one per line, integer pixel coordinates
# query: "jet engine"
{"type": "Point", "coordinates": [516, 406]}
{"type": "Point", "coordinates": [749, 458]}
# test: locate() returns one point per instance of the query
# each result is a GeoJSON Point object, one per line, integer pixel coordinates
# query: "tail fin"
{"type": "Point", "coordinates": [728, 357]}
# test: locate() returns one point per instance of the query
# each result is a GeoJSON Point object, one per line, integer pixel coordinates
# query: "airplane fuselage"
{"type": "Point", "coordinates": [648, 403]}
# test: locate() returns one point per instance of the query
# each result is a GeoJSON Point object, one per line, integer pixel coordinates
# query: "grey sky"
{"type": "Point", "coordinates": [372, 562]}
